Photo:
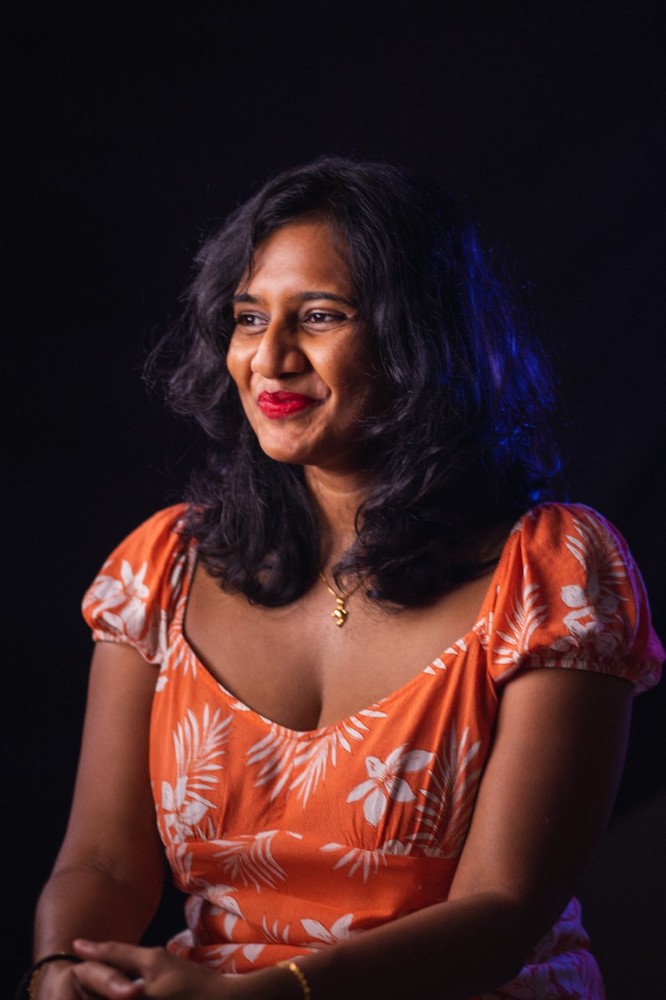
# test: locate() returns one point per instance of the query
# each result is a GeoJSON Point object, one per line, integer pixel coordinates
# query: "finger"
{"type": "Point", "coordinates": [102, 980]}
{"type": "Point", "coordinates": [126, 957]}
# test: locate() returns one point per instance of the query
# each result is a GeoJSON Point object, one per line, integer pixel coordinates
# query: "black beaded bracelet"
{"type": "Point", "coordinates": [26, 987]}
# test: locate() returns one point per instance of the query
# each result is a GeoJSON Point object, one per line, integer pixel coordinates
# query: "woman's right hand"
{"type": "Point", "coordinates": [118, 971]}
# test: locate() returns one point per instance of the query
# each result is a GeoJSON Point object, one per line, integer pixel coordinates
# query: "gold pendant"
{"type": "Point", "coordinates": [339, 616]}
{"type": "Point", "coordinates": [340, 613]}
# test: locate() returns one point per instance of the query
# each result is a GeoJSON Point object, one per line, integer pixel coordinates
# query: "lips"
{"type": "Point", "coordinates": [282, 404]}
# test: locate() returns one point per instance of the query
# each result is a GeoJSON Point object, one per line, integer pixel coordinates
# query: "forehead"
{"type": "Point", "coordinates": [307, 254]}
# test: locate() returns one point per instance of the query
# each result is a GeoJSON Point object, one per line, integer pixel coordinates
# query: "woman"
{"type": "Point", "coordinates": [377, 501]}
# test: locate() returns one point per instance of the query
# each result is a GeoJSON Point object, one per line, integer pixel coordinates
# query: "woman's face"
{"type": "Point", "coordinates": [299, 354]}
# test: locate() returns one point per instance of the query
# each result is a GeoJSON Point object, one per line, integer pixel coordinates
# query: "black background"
{"type": "Point", "coordinates": [129, 131]}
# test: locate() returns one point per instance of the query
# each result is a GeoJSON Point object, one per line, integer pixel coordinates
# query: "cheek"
{"type": "Point", "coordinates": [236, 364]}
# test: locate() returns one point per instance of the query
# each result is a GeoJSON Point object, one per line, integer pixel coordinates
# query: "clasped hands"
{"type": "Point", "coordinates": [118, 971]}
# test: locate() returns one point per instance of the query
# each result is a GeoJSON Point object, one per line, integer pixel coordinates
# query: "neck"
{"type": "Point", "coordinates": [337, 499]}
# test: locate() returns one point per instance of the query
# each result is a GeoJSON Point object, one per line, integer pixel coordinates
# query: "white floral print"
{"type": "Point", "coordinates": [367, 862]}
{"type": "Point", "coordinates": [289, 842]}
{"type": "Point", "coordinates": [527, 616]}
{"type": "Point", "coordinates": [450, 795]}
{"type": "Point", "coordinates": [302, 767]}
{"type": "Point", "coordinates": [385, 781]}
{"type": "Point", "coordinates": [129, 590]}
{"type": "Point", "coordinates": [249, 859]}
{"type": "Point", "coordinates": [595, 618]}
{"type": "Point", "coordinates": [272, 933]}
{"type": "Point", "coordinates": [198, 747]}
{"type": "Point", "coordinates": [339, 930]}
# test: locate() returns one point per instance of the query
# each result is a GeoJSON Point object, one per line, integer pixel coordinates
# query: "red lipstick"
{"type": "Point", "coordinates": [282, 404]}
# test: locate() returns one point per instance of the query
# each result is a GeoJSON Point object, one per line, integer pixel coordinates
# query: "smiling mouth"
{"type": "Point", "coordinates": [282, 404]}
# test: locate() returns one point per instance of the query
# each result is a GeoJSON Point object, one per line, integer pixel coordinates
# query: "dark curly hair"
{"type": "Point", "coordinates": [465, 442]}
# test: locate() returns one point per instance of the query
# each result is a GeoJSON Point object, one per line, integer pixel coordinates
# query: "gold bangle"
{"type": "Point", "coordinates": [300, 975]}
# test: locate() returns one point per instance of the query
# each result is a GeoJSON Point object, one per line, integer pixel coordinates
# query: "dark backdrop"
{"type": "Point", "coordinates": [130, 130]}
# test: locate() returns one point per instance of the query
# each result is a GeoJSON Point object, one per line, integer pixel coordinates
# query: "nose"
{"type": "Point", "coordinates": [278, 352]}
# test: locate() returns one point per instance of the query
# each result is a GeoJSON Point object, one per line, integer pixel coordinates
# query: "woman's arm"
{"type": "Point", "coordinates": [107, 878]}
{"type": "Point", "coordinates": [544, 802]}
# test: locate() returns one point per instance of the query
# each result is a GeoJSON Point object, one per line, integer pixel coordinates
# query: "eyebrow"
{"type": "Point", "coordinates": [302, 297]}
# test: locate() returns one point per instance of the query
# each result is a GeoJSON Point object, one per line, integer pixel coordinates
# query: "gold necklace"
{"type": "Point", "coordinates": [340, 613]}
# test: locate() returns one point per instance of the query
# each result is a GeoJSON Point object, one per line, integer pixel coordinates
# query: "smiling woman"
{"type": "Point", "coordinates": [451, 374]}
{"type": "Point", "coordinates": [401, 806]}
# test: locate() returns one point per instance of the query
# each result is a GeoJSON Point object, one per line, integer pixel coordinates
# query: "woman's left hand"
{"type": "Point", "coordinates": [119, 971]}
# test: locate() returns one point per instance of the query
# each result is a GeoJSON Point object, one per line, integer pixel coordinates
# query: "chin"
{"type": "Point", "coordinates": [288, 456]}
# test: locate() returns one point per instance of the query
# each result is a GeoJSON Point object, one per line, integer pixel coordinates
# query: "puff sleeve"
{"type": "Point", "coordinates": [132, 598]}
{"type": "Point", "coordinates": [571, 596]}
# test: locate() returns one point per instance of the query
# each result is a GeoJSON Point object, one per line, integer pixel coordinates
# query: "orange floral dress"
{"type": "Point", "coordinates": [290, 841]}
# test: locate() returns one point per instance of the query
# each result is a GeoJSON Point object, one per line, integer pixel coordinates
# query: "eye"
{"type": "Point", "coordinates": [323, 319]}
{"type": "Point", "coordinates": [249, 320]}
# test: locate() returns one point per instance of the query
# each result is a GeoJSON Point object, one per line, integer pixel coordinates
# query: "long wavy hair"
{"type": "Point", "coordinates": [464, 443]}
